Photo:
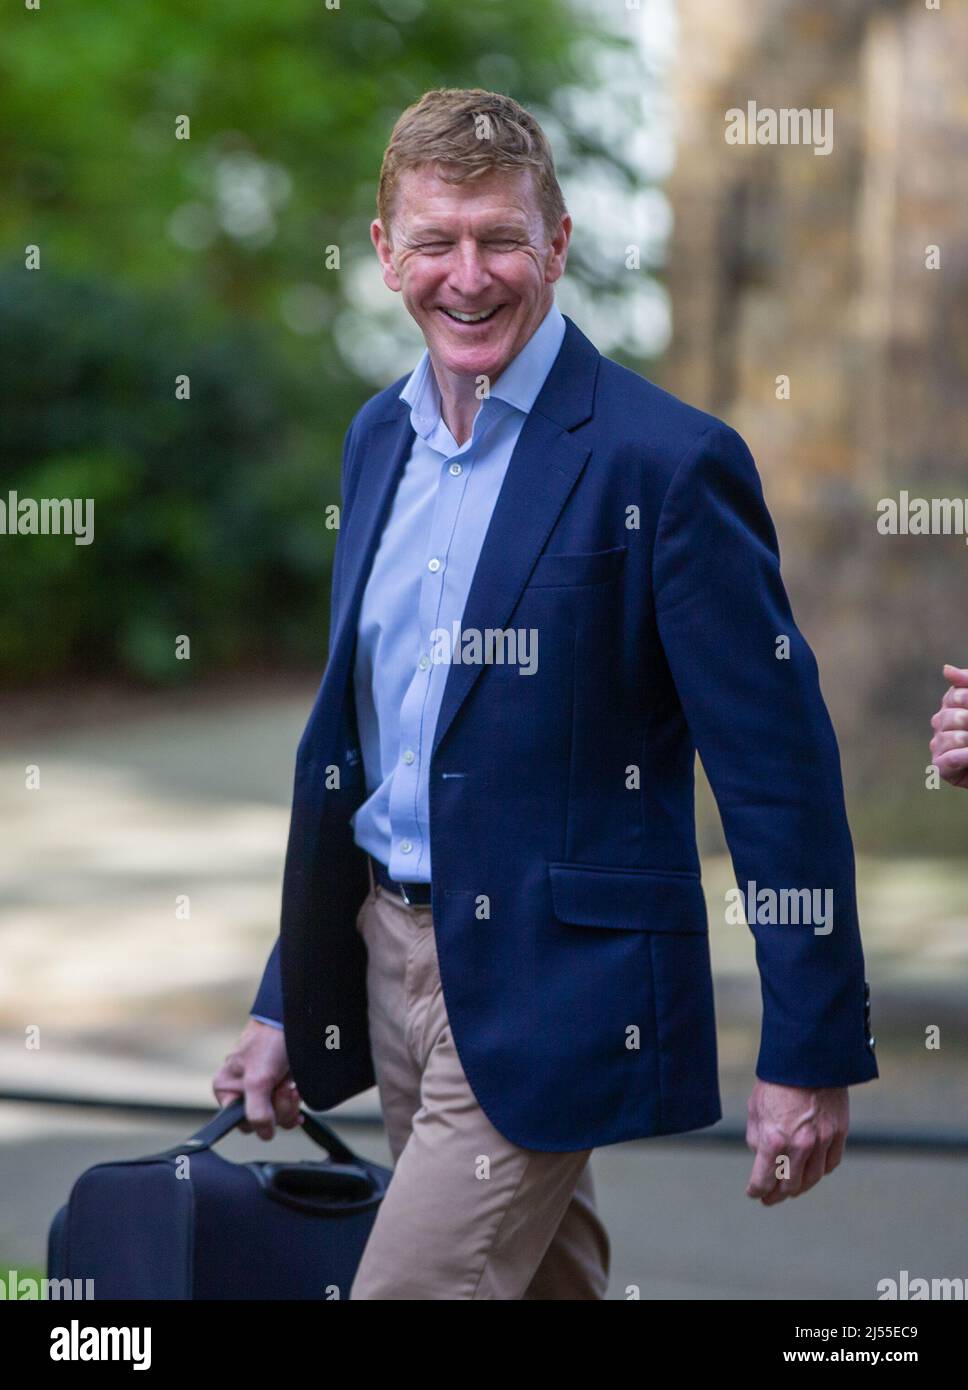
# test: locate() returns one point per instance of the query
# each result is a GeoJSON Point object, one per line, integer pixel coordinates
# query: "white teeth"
{"type": "Point", "coordinates": [469, 318]}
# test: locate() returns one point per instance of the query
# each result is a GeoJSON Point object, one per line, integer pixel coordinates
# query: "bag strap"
{"type": "Point", "coordinates": [233, 1114]}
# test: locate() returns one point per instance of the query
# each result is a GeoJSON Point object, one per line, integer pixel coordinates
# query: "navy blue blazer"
{"type": "Point", "coordinates": [632, 536]}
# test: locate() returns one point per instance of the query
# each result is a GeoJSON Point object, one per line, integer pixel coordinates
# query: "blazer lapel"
{"type": "Point", "coordinates": [544, 467]}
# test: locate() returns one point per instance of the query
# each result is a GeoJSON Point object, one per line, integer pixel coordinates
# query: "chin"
{"type": "Point", "coordinates": [482, 364]}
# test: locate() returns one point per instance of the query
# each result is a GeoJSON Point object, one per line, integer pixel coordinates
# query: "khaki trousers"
{"type": "Point", "coordinates": [467, 1214]}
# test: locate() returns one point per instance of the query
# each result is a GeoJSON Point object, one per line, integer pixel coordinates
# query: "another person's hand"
{"type": "Point", "coordinates": [949, 746]}
{"type": "Point", "coordinates": [807, 1127]}
{"type": "Point", "coordinates": [258, 1069]}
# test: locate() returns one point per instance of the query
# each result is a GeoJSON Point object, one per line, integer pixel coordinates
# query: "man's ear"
{"type": "Point", "coordinates": [381, 243]}
{"type": "Point", "coordinates": [558, 253]}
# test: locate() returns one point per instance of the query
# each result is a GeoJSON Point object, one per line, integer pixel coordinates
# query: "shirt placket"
{"type": "Point", "coordinates": [410, 851]}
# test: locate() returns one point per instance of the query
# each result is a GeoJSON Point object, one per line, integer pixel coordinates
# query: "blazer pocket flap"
{"type": "Point", "coordinates": [630, 899]}
{"type": "Point", "coordinates": [590, 567]}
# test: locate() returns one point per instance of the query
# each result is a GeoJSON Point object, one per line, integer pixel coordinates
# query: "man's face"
{"type": "Point", "coordinates": [472, 248]}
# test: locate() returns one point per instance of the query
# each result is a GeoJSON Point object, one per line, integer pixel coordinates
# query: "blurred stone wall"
{"type": "Point", "coordinates": [814, 266]}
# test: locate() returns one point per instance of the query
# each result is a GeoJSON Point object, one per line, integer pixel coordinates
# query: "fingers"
{"type": "Point", "coordinates": [267, 1106]}
{"type": "Point", "coordinates": [763, 1181]}
{"type": "Point", "coordinates": [808, 1158]}
{"type": "Point", "coordinates": [287, 1100]}
{"type": "Point", "coordinates": [236, 1079]}
{"type": "Point", "coordinates": [796, 1154]}
{"type": "Point", "coordinates": [816, 1164]}
{"type": "Point", "coordinates": [762, 1184]}
{"type": "Point", "coordinates": [225, 1098]}
{"type": "Point", "coordinates": [951, 764]}
{"type": "Point", "coordinates": [227, 1083]}
{"type": "Point", "coordinates": [836, 1151]}
{"type": "Point", "coordinates": [805, 1165]}
{"type": "Point", "coordinates": [258, 1071]}
{"type": "Point", "coordinates": [957, 675]}
{"type": "Point", "coordinates": [948, 742]}
{"type": "Point", "coordinates": [259, 1109]}
{"type": "Point", "coordinates": [951, 718]}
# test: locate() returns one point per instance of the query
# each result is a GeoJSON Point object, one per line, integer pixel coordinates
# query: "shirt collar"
{"type": "Point", "coordinates": [518, 384]}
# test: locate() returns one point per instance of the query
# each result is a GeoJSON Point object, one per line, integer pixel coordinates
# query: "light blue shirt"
{"type": "Point", "coordinates": [419, 582]}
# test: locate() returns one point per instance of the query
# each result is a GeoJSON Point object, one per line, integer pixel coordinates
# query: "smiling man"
{"type": "Point", "coordinates": [492, 904]}
{"type": "Point", "coordinates": [475, 263]}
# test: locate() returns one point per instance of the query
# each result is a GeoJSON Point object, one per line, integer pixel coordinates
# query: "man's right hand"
{"type": "Point", "coordinates": [258, 1069]}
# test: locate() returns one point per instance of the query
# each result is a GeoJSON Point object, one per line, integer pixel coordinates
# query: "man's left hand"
{"type": "Point", "coordinates": [807, 1128]}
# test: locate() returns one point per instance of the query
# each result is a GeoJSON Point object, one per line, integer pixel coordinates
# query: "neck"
{"type": "Point", "coordinates": [459, 403]}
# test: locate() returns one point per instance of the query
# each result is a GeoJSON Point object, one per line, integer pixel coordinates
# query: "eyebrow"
{"type": "Point", "coordinates": [446, 233]}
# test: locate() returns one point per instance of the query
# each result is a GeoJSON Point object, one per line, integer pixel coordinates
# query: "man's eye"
{"type": "Point", "coordinates": [497, 243]}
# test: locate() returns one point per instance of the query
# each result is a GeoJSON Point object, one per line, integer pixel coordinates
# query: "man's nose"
{"type": "Point", "coordinates": [468, 273]}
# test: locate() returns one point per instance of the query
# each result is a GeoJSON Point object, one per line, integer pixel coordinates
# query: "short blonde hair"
{"type": "Point", "coordinates": [467, 131]}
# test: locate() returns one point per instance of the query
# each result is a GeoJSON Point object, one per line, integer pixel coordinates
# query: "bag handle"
{"type": "Point", "coordinates": [233, 1114]}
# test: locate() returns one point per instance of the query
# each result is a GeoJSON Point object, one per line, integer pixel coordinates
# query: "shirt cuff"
{"type": "Point", "coordinates": [262, 1019]}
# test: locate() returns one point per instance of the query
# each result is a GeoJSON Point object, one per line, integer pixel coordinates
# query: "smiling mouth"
{"type": "Point", "coordinates": [484, 316]}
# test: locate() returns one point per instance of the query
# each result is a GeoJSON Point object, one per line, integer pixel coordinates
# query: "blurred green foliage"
{"type": "Point", "coordinates": [206, 257]}
{"type": "Point", "coordinates": [209, 513]}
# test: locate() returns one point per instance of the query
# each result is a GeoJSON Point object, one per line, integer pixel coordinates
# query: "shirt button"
{"type": "Point", "coordinates": [424, 662]}
{"type": "Point", "coordinates": [405, 846]}
{"type": "Point", "coordinates": [455, 469]}
{"type": "Point", "coordinates": [433, 565]}
{"type": "Point", "coordinates": [408, 756]}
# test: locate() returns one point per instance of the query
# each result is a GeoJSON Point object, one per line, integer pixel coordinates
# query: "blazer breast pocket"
{"type": "Point", "coordinates": [569, 570]}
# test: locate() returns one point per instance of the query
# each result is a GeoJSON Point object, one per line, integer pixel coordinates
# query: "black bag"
{"type": "Point", "coordinates": [256, 1230]}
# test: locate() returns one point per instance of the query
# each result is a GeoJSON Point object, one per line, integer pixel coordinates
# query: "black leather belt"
{"type": "Point", "coordinates": [413, 894]}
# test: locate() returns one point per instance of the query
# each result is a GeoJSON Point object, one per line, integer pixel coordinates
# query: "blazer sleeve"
{"type": "Point", "coordinates": [759, 722]}
{"type": "Point", "coordinates": [267, 1005]}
